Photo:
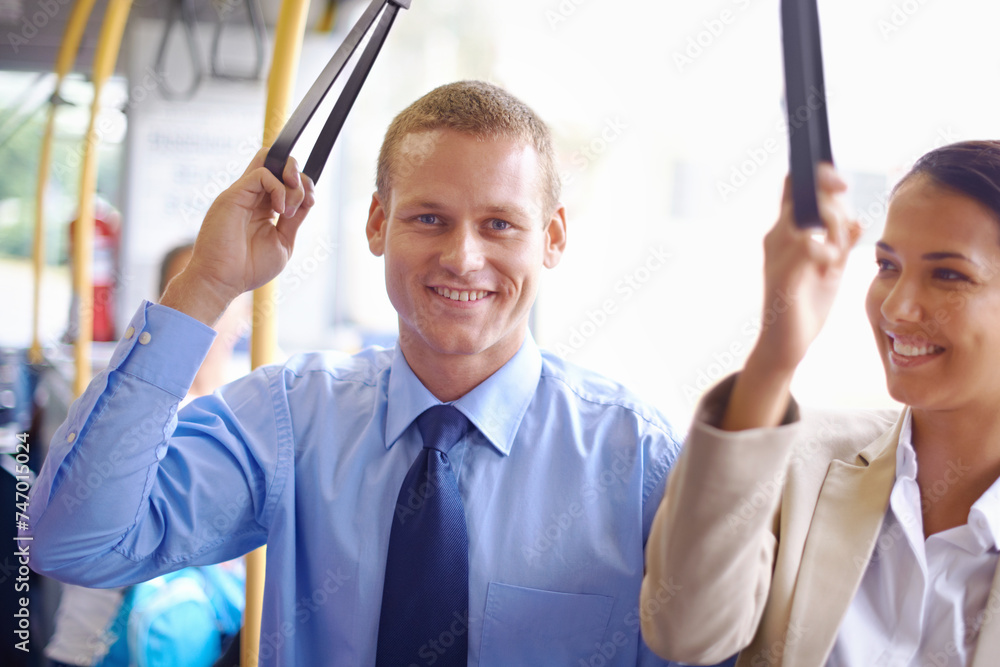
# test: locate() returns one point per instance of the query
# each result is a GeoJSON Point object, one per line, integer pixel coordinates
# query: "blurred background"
{"type": "Point", "coordinates": [670, 129]}
{"type": "Point", "coordinates": [669, 125]}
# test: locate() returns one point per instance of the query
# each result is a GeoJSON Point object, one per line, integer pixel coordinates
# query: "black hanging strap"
{"type": "Point", "coordinates": [805, 102]}
{"type": "Point", "coordinates": [278, 154]}
{"type": "Point", "coordinates": [183, 12]}
{"type": "Point", "coordinates": [256, 15]}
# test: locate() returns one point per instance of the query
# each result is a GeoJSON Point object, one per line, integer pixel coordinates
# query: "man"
{"type": "Point", "coordinates": [558, 471]}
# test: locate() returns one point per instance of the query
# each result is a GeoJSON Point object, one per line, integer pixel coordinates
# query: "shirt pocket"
{"type": "Point", "coordinates": [530, 626]}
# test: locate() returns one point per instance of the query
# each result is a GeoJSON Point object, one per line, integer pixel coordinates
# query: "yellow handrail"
{"type": "Point", "coordinates": [108, 45]}
{"type": "Point", "coordinates": [68, 49]}
{"type": "Point", "coordinates": [288, 35]}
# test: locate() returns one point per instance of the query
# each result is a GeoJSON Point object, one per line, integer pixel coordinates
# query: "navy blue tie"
{"type": "Point", "coordinates": [425, 601]}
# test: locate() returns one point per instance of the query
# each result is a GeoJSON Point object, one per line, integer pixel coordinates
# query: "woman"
{"type": "Point", "coordinates": [860, 538]}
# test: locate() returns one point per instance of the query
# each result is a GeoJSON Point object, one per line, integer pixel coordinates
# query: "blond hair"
{"type": "Point", "coordinates": [477, 108]}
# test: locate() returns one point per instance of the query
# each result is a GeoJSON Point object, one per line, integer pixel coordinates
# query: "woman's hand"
{"type": "Point", "coordinates": [802, 272]}
{"type": "Point", "coordinates": [240, 247]}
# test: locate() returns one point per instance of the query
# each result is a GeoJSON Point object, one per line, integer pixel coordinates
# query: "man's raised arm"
{"type": "Point", "coordinates": [240, 247]}
{"type": "Point", "coordinates": [125, 493]}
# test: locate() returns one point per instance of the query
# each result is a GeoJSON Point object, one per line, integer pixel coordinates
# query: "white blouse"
{"type": "Point", "coordinates": [922, 602]}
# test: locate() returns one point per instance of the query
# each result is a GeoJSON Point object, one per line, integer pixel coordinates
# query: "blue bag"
{"type": "Point", "coordinates": [180, 619]}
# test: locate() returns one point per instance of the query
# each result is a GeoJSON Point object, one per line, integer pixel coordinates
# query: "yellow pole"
{"type": "Point", "coordinates": [108, 45]}
{"type": "Point", "coordinates": [64, 61]}
{"type": "Point", "coordinates": [288, 36]}
{"type": "Point", "coordinates": [328, 18]}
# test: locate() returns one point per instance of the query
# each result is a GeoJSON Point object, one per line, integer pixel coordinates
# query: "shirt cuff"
{"type": "Point", "coordinates": [163, 347]}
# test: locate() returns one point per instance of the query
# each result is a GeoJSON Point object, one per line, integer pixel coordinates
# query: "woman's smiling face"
{"type": "Point", "coordinates": [934, 305]}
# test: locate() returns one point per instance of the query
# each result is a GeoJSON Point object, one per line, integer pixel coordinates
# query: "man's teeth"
{"type": "Point", "coordinates": [905, 350]}
{"type": "Point", "coordinates": [463, 295]}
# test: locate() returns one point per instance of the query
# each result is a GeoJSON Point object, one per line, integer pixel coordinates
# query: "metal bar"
{"type": "Point", "coordinates": [108, 45]}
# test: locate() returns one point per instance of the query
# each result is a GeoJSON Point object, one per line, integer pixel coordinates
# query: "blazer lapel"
{"type": "Point", "coordinates": [988, 645]}
{"type": "Point", "coordinates": [842, 535]}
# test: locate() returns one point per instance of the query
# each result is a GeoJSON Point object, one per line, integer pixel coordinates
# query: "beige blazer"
{"type": "Point", "coordinates": [764, 535]}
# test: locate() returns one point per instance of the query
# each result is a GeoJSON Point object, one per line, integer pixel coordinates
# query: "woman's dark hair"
{"type": "Point", "coordinates": [971, 168]}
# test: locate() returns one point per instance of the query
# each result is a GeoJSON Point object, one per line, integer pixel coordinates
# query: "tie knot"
{"type": "Point", "coordinates": [442, 426]}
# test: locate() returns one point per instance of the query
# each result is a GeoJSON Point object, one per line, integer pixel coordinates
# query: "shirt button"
{"type": "Point", "coordinates": [71, 437]}
{"type": "Point", "coordinates": [129, 333]}
{"type": "Point", "coordinates": [144, 338]}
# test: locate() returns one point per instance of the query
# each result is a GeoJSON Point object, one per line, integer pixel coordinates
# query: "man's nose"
{"type": "Point", "coordinates": [462, 250]}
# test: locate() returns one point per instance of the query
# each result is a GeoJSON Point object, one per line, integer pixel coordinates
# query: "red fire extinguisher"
{"type": "Point", "coordinates": [107, 238]}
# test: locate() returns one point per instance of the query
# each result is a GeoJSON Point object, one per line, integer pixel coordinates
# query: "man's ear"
{"type": "Point", "coordinates": [376, 227]}
{"type": "Point", "coordinates": [555, 238]}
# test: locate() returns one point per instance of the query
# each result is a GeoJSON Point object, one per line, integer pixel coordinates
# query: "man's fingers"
{"type": "Point", "coordinates": [287, 195]}
{"type": "Point", "coordinates": [291, 174]}
{"type": "Point", "coordinates": [275, 190]}
{"type": "Point", "coordinates": [288, 225]}
{"type": "Point", "coordinates": [257, 161]}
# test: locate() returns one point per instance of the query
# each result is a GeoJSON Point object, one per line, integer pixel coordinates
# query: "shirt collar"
{"type": "Point", "coordinates": [984, 515]}
{"type": "Point", "coordinates": [496, 406]}
{"type": "Point", "coordinates": [906, 456]}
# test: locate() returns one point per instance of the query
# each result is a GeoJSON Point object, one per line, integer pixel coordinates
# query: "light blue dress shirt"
{"type": "Point", "coordinates": [560, 480]}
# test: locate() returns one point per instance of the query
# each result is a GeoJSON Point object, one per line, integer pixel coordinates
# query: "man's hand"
{"type": "Point", "coordinates": [802, 272]}
{"type": "Point", "coordinates": [240, 247]}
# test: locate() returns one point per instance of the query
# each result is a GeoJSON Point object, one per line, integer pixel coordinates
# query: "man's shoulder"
{"type": "Point", "coordinates": [363, 367]}
{"type": "Point", "coordinates": [588, 386]}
